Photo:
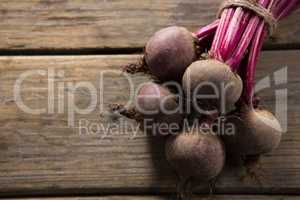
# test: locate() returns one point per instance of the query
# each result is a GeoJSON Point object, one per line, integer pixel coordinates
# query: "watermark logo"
{"type": "Point", "coordinates": [62, 99]}
{"type": "Point", "coordinates": [280, 78]}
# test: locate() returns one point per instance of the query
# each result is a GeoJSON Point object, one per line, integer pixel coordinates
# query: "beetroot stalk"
{"type": "Point", "coordinates": [237, 56]}
{"type": "Point", "coordinates": [292, 4]}
{"type": "Point", "coordinates": [208, 30]}
{"type": "Point", "coordinates": [225, 17]}
{"type": "Point", "coordinates": [279, 7]}
{"type": "Point", "coordinates": [225, 29]}
{"type": "Point", "coordinates": [231, 32]}
{"type": "Point", "coordinates": [253, 59]}
{"type": "Point", "coordinates": [257, 46]}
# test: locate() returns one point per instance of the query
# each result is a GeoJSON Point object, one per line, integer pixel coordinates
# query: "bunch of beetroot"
{"type": "Point", "coordinates": [222, 58]}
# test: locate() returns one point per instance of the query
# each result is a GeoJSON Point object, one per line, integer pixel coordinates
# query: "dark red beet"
{"type": "Point", "coordinates": [256, 132]}
{"type": "Point", "coordinates": [220, 79]}
{"type": "Point", "coordinates": [159, 108]}
{"type": "Point", "coordinates": [196, 155]}
{"type": "Point", "coordinates": [169, 52]}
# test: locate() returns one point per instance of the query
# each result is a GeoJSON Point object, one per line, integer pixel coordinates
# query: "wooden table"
{"type": "Point", "coordinates": [68, 42]}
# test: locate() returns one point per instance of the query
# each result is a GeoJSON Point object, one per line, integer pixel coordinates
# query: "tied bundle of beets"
{"type": "Point", "coordinates": [220, 58]}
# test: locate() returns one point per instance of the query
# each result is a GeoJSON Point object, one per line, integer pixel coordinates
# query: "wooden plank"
{"type": "Point", "coordinates": [90, 24]}
{"type": "Point", "coordinates": [233, 197]}
{"type": "Point", "coordinates": [40, 154]}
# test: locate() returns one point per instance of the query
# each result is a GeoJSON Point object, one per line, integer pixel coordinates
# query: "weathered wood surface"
{"type": "Point", "coordinates": [90, 24]}
{"type": "Point", "coordinates": [40, 154]}
{"type": "Point", "coordinates": [232, 197]}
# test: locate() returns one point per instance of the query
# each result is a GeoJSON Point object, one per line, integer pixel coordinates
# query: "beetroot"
{"type": "Point", "coordinates": [169, 52]}
{"type": "Point", "coordinates": [196, 155]}
{"type": "Point", "coordinates": [211, 77]}
{"type": "Point", "coordinates": [256, 132]}
{"type": "Point", "coordinates": [159, 108]}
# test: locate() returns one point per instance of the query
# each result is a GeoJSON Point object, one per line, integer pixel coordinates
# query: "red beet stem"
{"type": "Point", "coordinates": [225, 17]}
{"type": "Point", "coordinates": [235, 30]}
{"type": "Point", "coordinates": [257, 46]}
{"type": "Point", "coordinates": [279, 7]}
{"type": "Point", "coordinates": [239, 53]}
{"type": "Point", "coordinates": [292, 4]}
{"type": "Point", "coordinates": [208, 30]}
{"type": "Point", "coordinates": [252, 61]}
{"type": "Point", "coordinates": [237, 56]}
{"type": "Point", "coordinates": [235, 16]}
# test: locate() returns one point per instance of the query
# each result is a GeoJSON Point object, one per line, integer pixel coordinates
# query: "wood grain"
{"type": "Point", "coordinates": [233, 197]}
{"type": "Point", "coordinates": [95, 24]}
{"type": "Point", "coordinates": [41, 154]}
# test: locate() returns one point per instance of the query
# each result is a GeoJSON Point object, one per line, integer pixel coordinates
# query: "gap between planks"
{"type": "Point", "coordinates": [110, 51]}
{"type": "Point", "coordinates": [141, 197]}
